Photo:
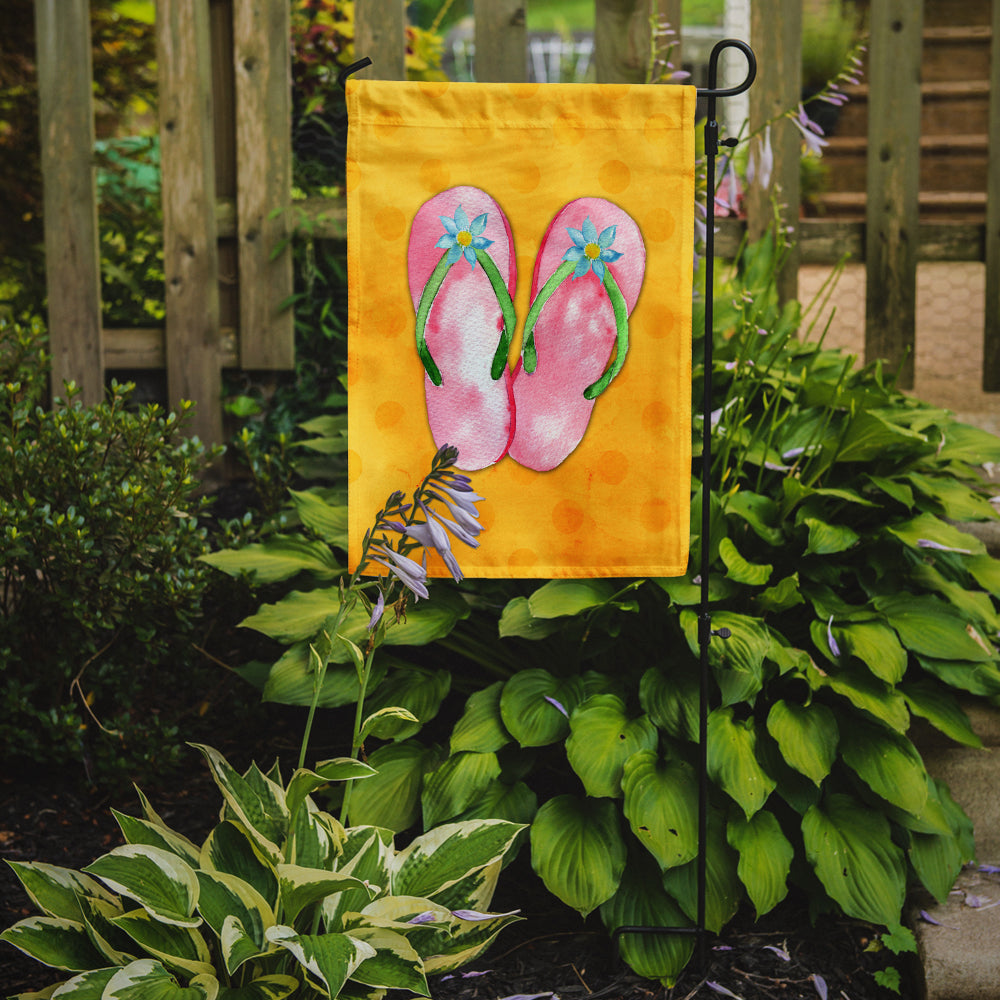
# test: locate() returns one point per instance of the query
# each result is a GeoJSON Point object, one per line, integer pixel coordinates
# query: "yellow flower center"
{"type": "Point", "coordinates": [592, 251]}
{"type": "Point", "coordinates": [464, 238]}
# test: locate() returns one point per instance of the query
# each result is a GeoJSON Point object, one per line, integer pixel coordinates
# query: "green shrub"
{"type": "Point", "coordinates": [99, 542]}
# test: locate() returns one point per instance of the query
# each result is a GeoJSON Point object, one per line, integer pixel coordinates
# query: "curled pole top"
{"type": "Point", "coordinates": [712, 91]}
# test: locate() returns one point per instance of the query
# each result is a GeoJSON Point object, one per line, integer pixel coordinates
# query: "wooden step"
{"type": "Point", "coordinates": [956, 206]}
{"type": "Point", "coordinates": [956, 53]}
{"type": "Point", "coordinates": [944, 104]}
{"type": "Point", "coordinates": [940, 13]}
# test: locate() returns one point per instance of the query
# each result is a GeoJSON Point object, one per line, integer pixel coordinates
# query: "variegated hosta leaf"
{"type": "Point", "coordinates": [300, 887]}
{"type": "Point", "coordinates": [141, 831]}
{"type": "Point", "coordinates": [147, 979]}
{"type": "Point", "coordinates": [475, 891]}
{"type": "Point", "coordinates": [177, 947]}
{"type": "Point", "coordinates": [467, 940]}
{"type": "Point", "coordinates": [98, 915]}
{"type": "Point", "coordinates": [273, 987]}
{"type": "Point", "coordinates": [158, 880]}
{"type": "Point", "coordinates": [230, 849]}
{"type": "Point", "coordinates": [54, 941]}
{"type": "Point", "coordinates": [642, 902]}
{"type": "Point", "coordinates": [807, 736]}
{"type": "Point", "coordinates": [56, 891]}
{"type": "Point", "coordinates": [456, 784]}
{"type": "Point", "coordinates": [315, 838]}
{"type": "Point", "coordinates": [304, 782]}
{"type": "Point", "coordinates": [765, 858]}
{"type": "Point", "coordinates": [888, 763]}
{"type": "Point", "coordinates": [850, 847]}
{"type": "Point", "coordinates": [225, 897]}
{"type": "Point", "coordinates": [602, 738]}
{"type": "Point", "coordinates": [391, 799]}
{"type": "Point", "coordinates": [86, 986]}
{"type": "Point", "coordinates": [395, 964]}
{"type": "Point", "coordinates": [481, 727]}
{"type": "Point", "coordinates": [578, 851]}
{"type": "Point", "coordinates": [661, 799]}
{"type": "Point", "coordinates": [732, 760]}
{"type": "Point", "coordinates": [329, 959]}
{"type": "Point", "coordinates": [367, 853]}
{"type": "Point", "coordinates": [441, 857]}
{"type": "Point", "coordinates": [535, 706]}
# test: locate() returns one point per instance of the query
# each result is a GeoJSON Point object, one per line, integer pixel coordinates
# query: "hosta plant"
{"type": "Point", "coordinates": [279, 900]}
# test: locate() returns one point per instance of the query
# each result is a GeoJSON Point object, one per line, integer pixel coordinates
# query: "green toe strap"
{"type": "Point", "coordinates": [529, 352]}
{"type": "Point", "coordinates": [428, 296]}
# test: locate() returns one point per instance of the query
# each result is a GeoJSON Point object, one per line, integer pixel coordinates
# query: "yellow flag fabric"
{"type": "Point", "coordinates": [520, 281]}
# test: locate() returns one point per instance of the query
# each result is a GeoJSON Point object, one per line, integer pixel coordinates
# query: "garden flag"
{"type": "Point", "coordinates": [520, 274]}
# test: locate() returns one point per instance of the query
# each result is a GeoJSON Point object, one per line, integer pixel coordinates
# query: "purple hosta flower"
{"type": "Point", "coordinates": [557, 704]}
{"type": "Point", "coordinates": [462, 238]}
{"type": "Point", "coordinates": [760, 166]}
{"type": "Point", "coordinates": [927, 918]}
{"type": "Point", "coordinates": [812, 134]}
{"type": "Point", "coordinates": [820, 983]}
{"type": "Point", "coordinates": [377, 612]}
{"type": "Point", "coordinates": [780, 952]}
{"type": "Point", "coordinates": [472, 974]}
{"type": "Point", "coordinates": [427, 917]}
{"type": "Point", "coordinates": [431, 535]}
{"type": "Point", "coordinates": [462, 504]}
{"type": "Point", "coordinates": [590, 250]}
{"type": "Point", "coordinates": [475, 915]}
{"type": "Point", "coordinates": [927, 543]}
{"type": "Point", "coordinates": [719, 988]}
{"type": "Point", "coordinates": [990, 869]}
{"type": "Point", "coordinates": [410, 573]}
{"type": "Point", "coordinates": [834, 648]}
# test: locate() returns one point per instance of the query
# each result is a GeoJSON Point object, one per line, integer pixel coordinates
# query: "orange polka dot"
{"type": "Point", "coordinates": [352, 176]}
{"type": "Point", "coordinates": [478, 133]}
{"type": "Point", "coordinates": [655, 416]}
{"type": "Point", "coordinates": [390, 223]}
{"type": "Point", "coordinates": [657, 128]}
{"type": "Point", "coordinates": [523, 91]}
{"type": "Point", "coordinates": [659, 224]}
{"type": "Point", "coordinates": [434, 175]}
{"type": "Point", "coordinates": [614, 176]}
{"type": "Point", "coordinates": [388, 415]}
{"type": "Point", "coordinates": [612, 467]}
{"type": "Point", "coordinates": [387, 127]}
{"type": "Point", "coordinates": [487, 515]}
{"type": "Point", "coordinates": [567, 517]}
{"type": "Point", "coordinates": [659, 321]}
{"type": "Point", "coordinates": [393, 320]}
{"type": "Point", "coordinates": [434, 88]}
{"type": "Point", "coordinates": [353, 466]}
{"type": "Point", "coordinates": [569, 129]}
{"type": "Point", "coordinates": [654, 515]}
{"type": "Point", "coordinates": [524, 177]}
{"type": "Point", "coordinates": [522, 559]}
{"type": "Point", "coordinates": [354, 370]}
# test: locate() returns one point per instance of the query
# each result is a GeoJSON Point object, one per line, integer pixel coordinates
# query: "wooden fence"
{"type": "Point", "coordinates": [226, 161]}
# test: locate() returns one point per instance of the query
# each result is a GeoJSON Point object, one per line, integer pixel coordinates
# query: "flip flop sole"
{"type": "Point", "coordinates": [576, 331]}
{"type": "Point", "coordinates": [461, 324]}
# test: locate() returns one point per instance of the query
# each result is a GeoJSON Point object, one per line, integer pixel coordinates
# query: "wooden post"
{"type": "Point", "coordinates": [501, 41]}
{"type": "Point", "coordinates": [190, 254]}
{"type": "Point", "coordinates": [72, 256]}
{"type": "Point", "coordinates": [893, 183]}
{"type": "Point", "coordinates": [622, 39]}
{"type": "Point", "coordinates": [262, 61]}
{"type": "Point", "coordinates": [991, 333]}
{"type": "Point", "coordinates": [380, 34]}
{"type": "Point", "coordinates": [776, 34]}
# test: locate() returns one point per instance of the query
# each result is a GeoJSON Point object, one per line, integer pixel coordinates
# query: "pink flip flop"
{"type": "Point", "coordinates": [586, 282]}
{"type": "Point", "coordinates": [462, 275]}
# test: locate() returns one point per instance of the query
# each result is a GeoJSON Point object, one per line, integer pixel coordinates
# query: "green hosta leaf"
{"type": "Point", "coordinates": [438, 859]}
{"type": "Point", "coordinates": [516, 803]}
{"type": "Point", "coordinates": [956, 500]}
{"type": "Point", "coordinates": [456, 784]}
{"type": "Point", "coordinates": [86, 986]}
{"type": "Point", "coordinates": [142, 831]}
{"type": "Point", "coordinates": [180, 948]}
{"type": "Point", "coordinates": [661, 799]}
{"type": "Point", "coordinates": [395, 964]}
{"type": "Point", "coordinates": [304, 782]}
{"type": "Point", "coordinates": [301, 887]}
{"type": "Point", "coordinates": [975, 605]}
{"type": "Point", "coordinates": [976, 678]}
{"type": "Point", "coordinates": [986, 572]}
{"type": "Point", "coordinates": [931, 628]}
{"type": "Point", "coordinates": [578, 851]}
{"type": "Point", "coordinates": [865, 692]}
{"type": "Point", "coordinates": [937, 859]}
{"type": "Point", "coordinates": [279, 558]}
{"type": "Point", "coordinates": [893, 488]}
{"type": "Point", "coordinates": [738, 661]}
{"type": "Point", "coordinates": [965, 443]}
{"type": "Point", "coordinates": [230, 849]}
{"type": "Point", "coordinates": [807, 736]}
{"type": "Point", "coordinates": [330, 959]}
{"type": "Point", "coordinates": [559, 598]}
{"type": "Point", "coordinates": [739, 569]}
{"type": "Point", "coordinates": [386, 723]}
{"type": "Point", "coordinates": [147, 979]}
{"type": "Point", "coordinates": [56, 891]}
{"type": "Point", "coordinates": [888, 763]}
{"type": "Point", "coordinates": [732, 760]}
{"type": "Point", "coordinates": [723, 889]}
{"type": "Point", "coordinates": [869, 436]}
{"type": "Point", "coordinates": [941, 709]}
{"type": "Point", "coordinates": [481, 728]}
{"type": "Point", "coordinates": [783, 595]}
{"type": "Point", "coordinates": [292, 681]}
{"type": "Point", "coordinates": [274, 987]}
{"type": "Point", "coordinates": [765, 858]}
{"type": "Point", "coordinates": [391, 798]}
{"type": "Point", "coordinates": [517, 620]}
{"type": "Point", "coordinates": [683, 591]}
{"type": "Point", "coordinates": [602, 738]}
{"type": "Point", "coordinates": [641, 901]}
{"type": "Point", "coordinates": [758, 511]}
{"type": "Point", "coordinates": [850, 847]}
{"type": "Point", "coordinates": [876, 646]}
{"type": "Point", "coordinates": [928, 528]}
{"type": "Point", "coordinates": [163, 884]}
{"type": "Point", "coordinates": [527, 711]}
{"type": "Point", "coordinates": [415, 689]}
{"type": "Point", "coordinates": [670, 698]}
{"type": "Point", "coordinates": [225, 897]}
{"type": "Point", "coordinates": [827, 539]}
{"type": "Point", "coordinates": [54, 941]}
{"type": "Point", "coordinates": [327, 520]}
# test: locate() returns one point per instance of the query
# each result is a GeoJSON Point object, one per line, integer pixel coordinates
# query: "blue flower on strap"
{"type": "Point", "coordinates": [462, 238]}
{"type": "Point", "coordinates": [591, 251]}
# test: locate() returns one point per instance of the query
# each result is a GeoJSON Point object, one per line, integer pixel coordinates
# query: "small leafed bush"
{"type": "Point", "coordinates": [99, 574]}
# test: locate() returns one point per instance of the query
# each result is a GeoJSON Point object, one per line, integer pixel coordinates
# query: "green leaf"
{"type": "Point", "coordinates": [869, 436]}
{"type": "Point", "coordinates": [304, 782]}
{"type": "Point", "coordinates": [807, 736]}
{"type": "Point", "coordinates": [147, 979]}
{"type": "Point", "coordinates": [661, 799]}
{"type": "Point", "coordinates": [225, 897]}
{"type": "Point", "coordinates": [141, 831]}
{"type": "Point", "coordinates": [384, 723]}
{"type": "Point", "coordinates": [931, 628]}
{"type": "Point", "coordinates": [517, 620]}
{"type": "Point", "coordinates": [893, 488]}
{"type": "Point", "coordinates": [888, 763]}
{"type": "Point", "coordinates": [876, 646]}
{"type": "Point", "coordinates": [456, 784]}
{"type": "Point", "coordinates": [976, 678]}
{"type": "Point", "coordinates": [395, 964]}
{"type": "Point", "coordinates": [937, 860]}
{"type": "Point", "coordinates": [732, 760]}
{"type": "Point", "coordinates": [866, 692]}
{"type": "Point", "coordinates": [828, 539]}
{"type": "Point", "coordinates": [956, 500]}
{"type": "Point", "coordinates": [765, 858]}
{"type": "Point", "coordinates": [738, 661]}
{"type": "Point", "coordinates": [559, 598]}
{"type": "Point", "coordinates": [164, 885]}
{"type": "Point", "coordinates": [181, 948]}
{"type": "Point", "coordinates": [671, 699]}
{"type": "Point", "coordinates": [330, 959]}
{"type": "Point", "coordinates": [528, 714]}
{"type": "Point", "coordinates": [301, 887]}
{"type": "Point", "coordinates": [230, 849]}
{"type": "Point", "coordinates": [481, 728]}
{"type": "Point", "coordinates": [941, 709]}
{"type": "Point", "coordinates": [986, 571]}
{"type": "Point", "coordinates": [783, 595]}
{"type": "Point", "coordinates": [683, 591]}
{"type": "Point", "coordinates": [86, 986]}
{"type": "Point", "coordinates": [418, 690]}
{"type": "Point", "coordinates": [516, 803]}
{"type": "Point", "coordinates": [56, 891]}
{"type": "Point", "coordinates": [741, 571]}
{"type": "Point", "coordinates": [54, 941]}
{"type": "Point", "coordinates": [850, 848]}
{"type": "Point", "coordinates": [328, 521]}
{"type": "Point", "coordinates": [760, 512]}
{"type": "Point", "coordinates": [601, 739]}
{"type": "Point", "coordinates": [292, 680]}
{"type": "Point", "coordinates": [391, 798]}
{"type": "Point", "coordinates": [927, 527]}
{"type": "Point", "coordinates": [578, 851]}
{"type": "Point", "coordinates": [965, 443]}
{"type": "Point", "coordinates": [279, 558]}
{"type": "Point", "coordinates": [273, 987]}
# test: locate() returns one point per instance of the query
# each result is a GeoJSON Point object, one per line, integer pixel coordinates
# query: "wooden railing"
{"type": "Point", "coordinates": [226, 160]}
